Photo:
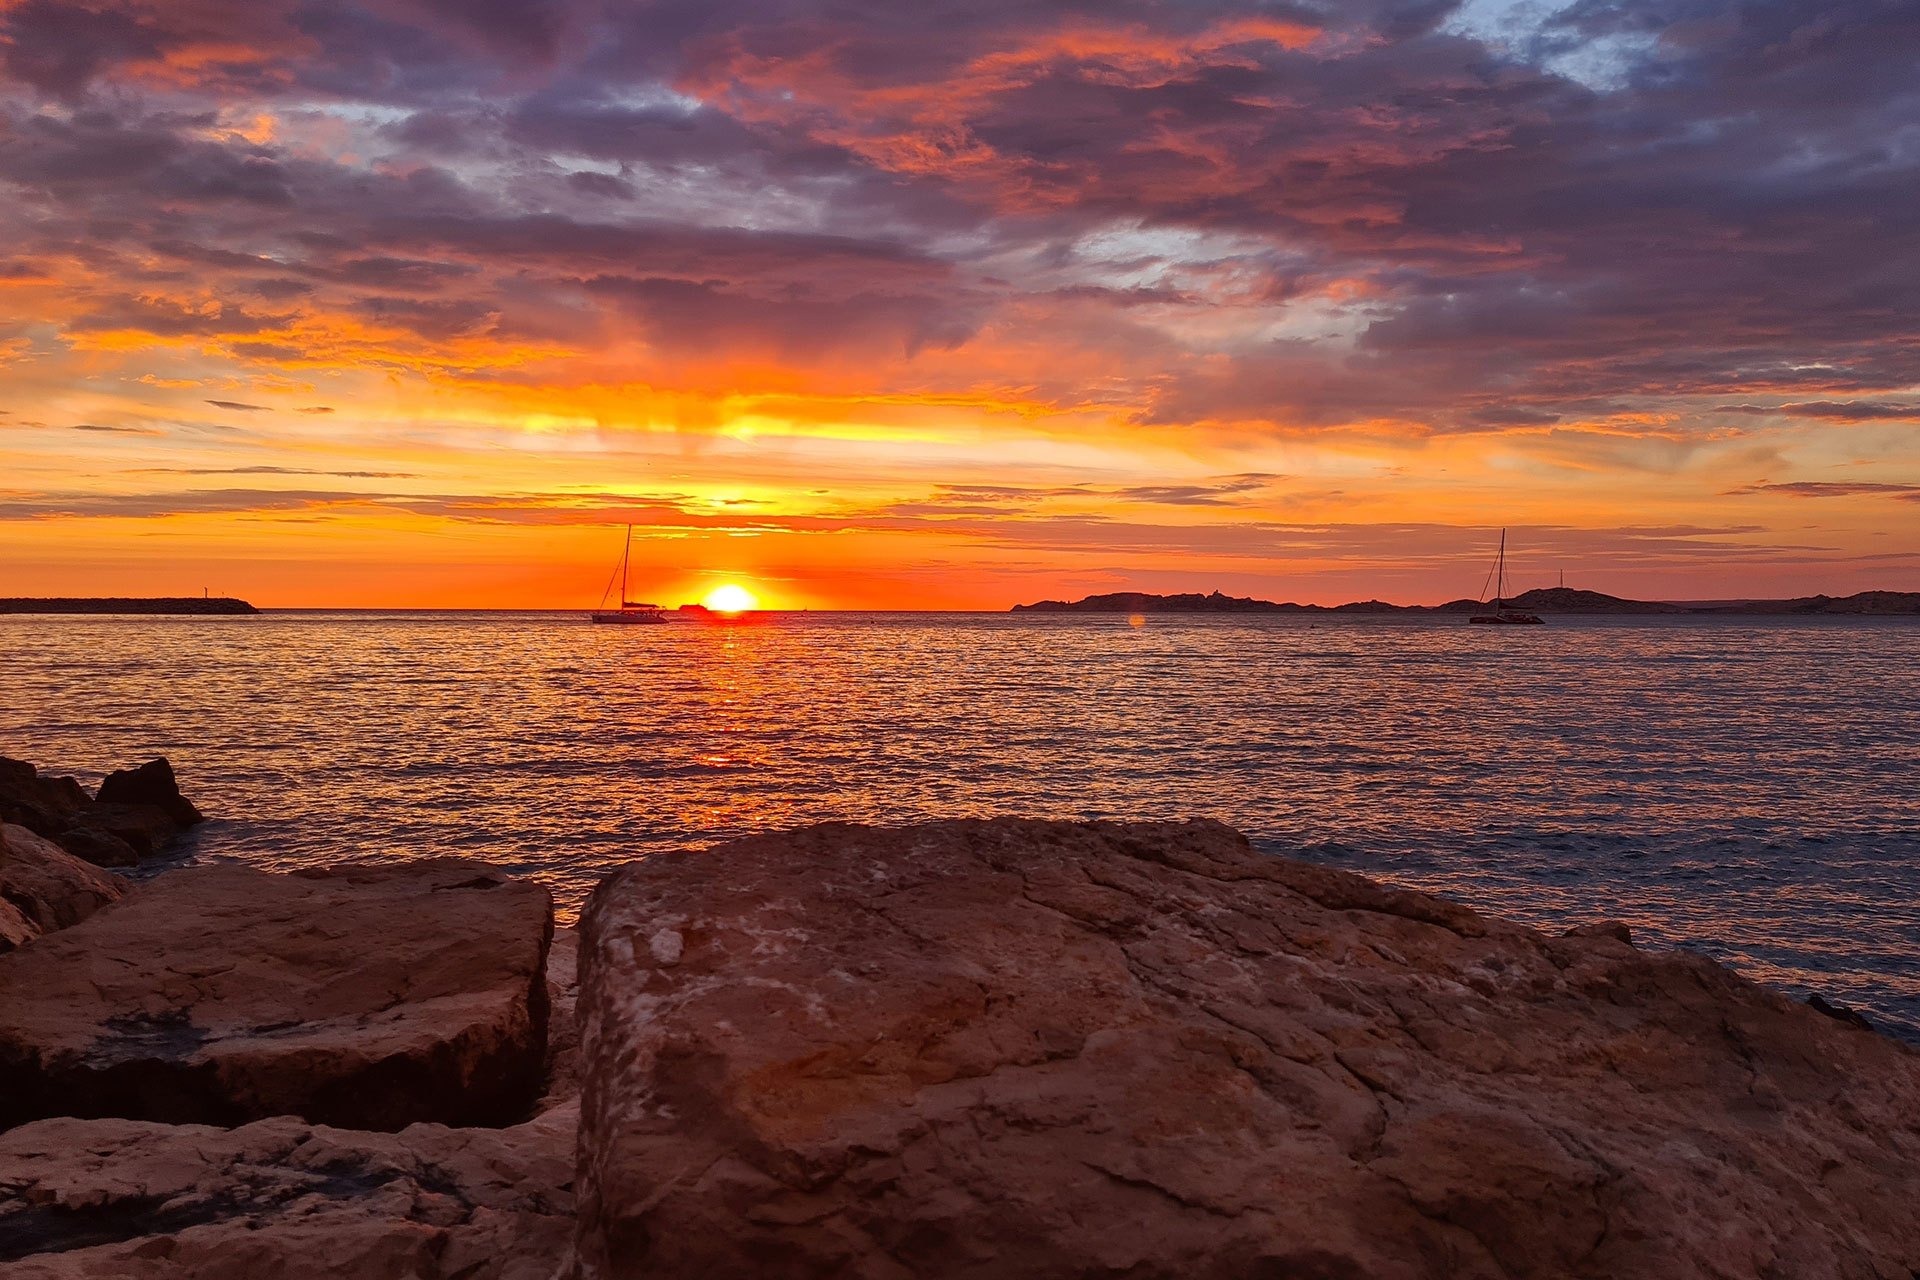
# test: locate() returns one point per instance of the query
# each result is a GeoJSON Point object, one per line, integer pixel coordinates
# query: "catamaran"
{"type": "Point", "coordinates": [630, 612]}
{"type": "Point", "coordinates": [1501, 613]}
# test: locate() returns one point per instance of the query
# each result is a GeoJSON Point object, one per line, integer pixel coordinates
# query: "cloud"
{"type": "Point", "coordinates": [58, 48]}
{"type": "Point", "coordinates": [165, 317]}
{"type": "Point", "coordinates": [1225, 493]}
{"type": "Point", "coordinates": [1833, 410]}
{"type": "Point", "coordinates": [1379, 219]}
{"type": "Point", "coordinates": [277, 471]}
{"type": "Point", "coordinates": [147, 506]}
{"type": "Point", "coordinates": [1830, 489]}
{"type": "Point", "coordinates": [1405, 543]}
{"type": "Point", "coordinates": [1610, 241]}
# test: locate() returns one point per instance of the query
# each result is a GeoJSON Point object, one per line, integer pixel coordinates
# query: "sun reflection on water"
{"type": "Point", "coordinates": [1739, 786]}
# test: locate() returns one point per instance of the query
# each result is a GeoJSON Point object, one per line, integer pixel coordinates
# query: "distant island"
{"type": "Point", "coordinates": [1539, 600]}
{"type": "Point", "coordinates": [125, 604]}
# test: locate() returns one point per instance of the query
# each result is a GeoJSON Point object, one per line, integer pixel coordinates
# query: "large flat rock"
{"type": "Point", "coordinates": [132, 1200]}
{"type": "Point", "coordinates": [368, 998]}
{"type": "Point", "coordinates": [1019, 1049]}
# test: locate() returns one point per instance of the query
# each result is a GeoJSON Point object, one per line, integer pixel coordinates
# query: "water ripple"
{"type": "Point", "coordinates": [1738, 786]}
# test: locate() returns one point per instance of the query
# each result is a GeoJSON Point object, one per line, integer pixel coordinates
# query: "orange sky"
{"type": "Point", "coordinates": [355, 306]}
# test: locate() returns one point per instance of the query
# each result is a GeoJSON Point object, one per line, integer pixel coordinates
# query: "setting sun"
{"type": "Point", "coordinates": [731, 598]}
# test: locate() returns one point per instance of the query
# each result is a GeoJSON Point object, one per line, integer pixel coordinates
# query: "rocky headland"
{"type": "Point", "coordinates": [962, 1049]}
{"type": "Point", "coordinates": [195, 605]}
{"type": "Point", "coordinates": [1538, 600]}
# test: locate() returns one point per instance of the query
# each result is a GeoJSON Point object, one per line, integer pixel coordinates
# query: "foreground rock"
{"type": "Point", "coordinates": [368, 998]}
{"type": "Point", "coordinates": [112, 1199]}
{"type": "Point", "coordinates": [136, 813]}
{"type": "Point", "coordinates": [1051, 1050]}
{"type": "Point", "coordinates": [43, 887]}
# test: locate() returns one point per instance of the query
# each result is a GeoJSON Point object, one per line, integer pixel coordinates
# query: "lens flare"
{"type": "Point", "coordinates": [731, 598]}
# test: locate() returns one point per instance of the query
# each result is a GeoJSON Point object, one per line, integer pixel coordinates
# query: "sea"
{"type": "Point", "coordinates": [1748, 788]}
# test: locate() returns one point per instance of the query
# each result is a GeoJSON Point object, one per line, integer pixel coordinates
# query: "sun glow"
{"type": "Point", "coordinates": [731, 598]}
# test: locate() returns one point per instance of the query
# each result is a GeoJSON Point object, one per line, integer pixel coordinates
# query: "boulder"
{"type": "Point", "coordinates": [47, 886]}
{"type": "Point", "coordinates": [151, 784]}
{"type": "Point", "coordinates": [101, 848]}
{"type": "Point", "coordinates": [990, 1049]}
{"type": "Point", "coordinates": [131, 1200]}
{"type": "Point", "coordinates": [118, 835]}
{"type": "Point", "coordinates": [365, 997]}
{"type": "Point", "coordinates": [41, 805]}
{"type": "Point", "coordinates": [137, 811]}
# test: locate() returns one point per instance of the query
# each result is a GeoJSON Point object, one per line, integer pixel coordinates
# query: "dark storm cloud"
{"type": "Point", "coordinates": [58, 48]}
{"type": "Point", "coordinates": [430, 318]}
{"type": "Point", "coordinates": [1718, 208]}
{"type": "Point", "coordinates": [166, 318]}
{"type": "Point", "coordinates": [99, 153]}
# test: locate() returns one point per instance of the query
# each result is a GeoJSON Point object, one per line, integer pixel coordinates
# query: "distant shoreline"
{"type": "Point", "coordinates": [126, 604]}
{"type": "Point", "coordinates": [1561, 600]}
{"type": "Point", "coordinates": [1539, 600]}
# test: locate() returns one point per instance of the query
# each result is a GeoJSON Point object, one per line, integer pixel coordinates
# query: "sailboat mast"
{"type": "Point", "coordinates": [625, 551]}
{"type": "Point", "coordinates": [1501, 587]}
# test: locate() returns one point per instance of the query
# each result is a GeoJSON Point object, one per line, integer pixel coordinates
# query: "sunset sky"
{"type": "Point", "coordinates": [953, 305]}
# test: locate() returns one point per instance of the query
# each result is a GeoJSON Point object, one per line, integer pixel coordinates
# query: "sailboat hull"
{"type": "Point", "coordinates": [627, 619]}
{"type": "Point", "coordinates": [1513, 620]}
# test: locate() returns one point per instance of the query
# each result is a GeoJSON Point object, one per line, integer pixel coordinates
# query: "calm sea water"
{"type": "Point", "coordinates": [1743, 787]}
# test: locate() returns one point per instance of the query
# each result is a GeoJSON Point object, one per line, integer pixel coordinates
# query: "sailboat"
{"type": "Point", "coordinates": [1501, 615]}
{"type": "Point", "coordinates": [630, 612]}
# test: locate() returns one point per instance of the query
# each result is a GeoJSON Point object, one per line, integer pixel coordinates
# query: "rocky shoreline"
{"type": "Point", "coordinates": [962, 1049]}
{"type": "Point", "coordinates": [136, 812]}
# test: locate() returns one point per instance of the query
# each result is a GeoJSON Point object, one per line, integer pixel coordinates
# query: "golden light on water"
{"type": "Point", "coordinates": [730, 598]}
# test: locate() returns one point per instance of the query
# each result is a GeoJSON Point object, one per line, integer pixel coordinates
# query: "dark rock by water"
{"type": "Point", "coordinates": [42, 805]}
{"type": "Point", "coordinates": [1840, 1013]}
{"type": "Point", "coordinates": [137, 812]}
{"type": "Point", "coordinates": [1614, 929]}
{"type": "Point", "coordinates": [151, 784]}
{"type": "Point", "coordinates": [998, 1049]}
